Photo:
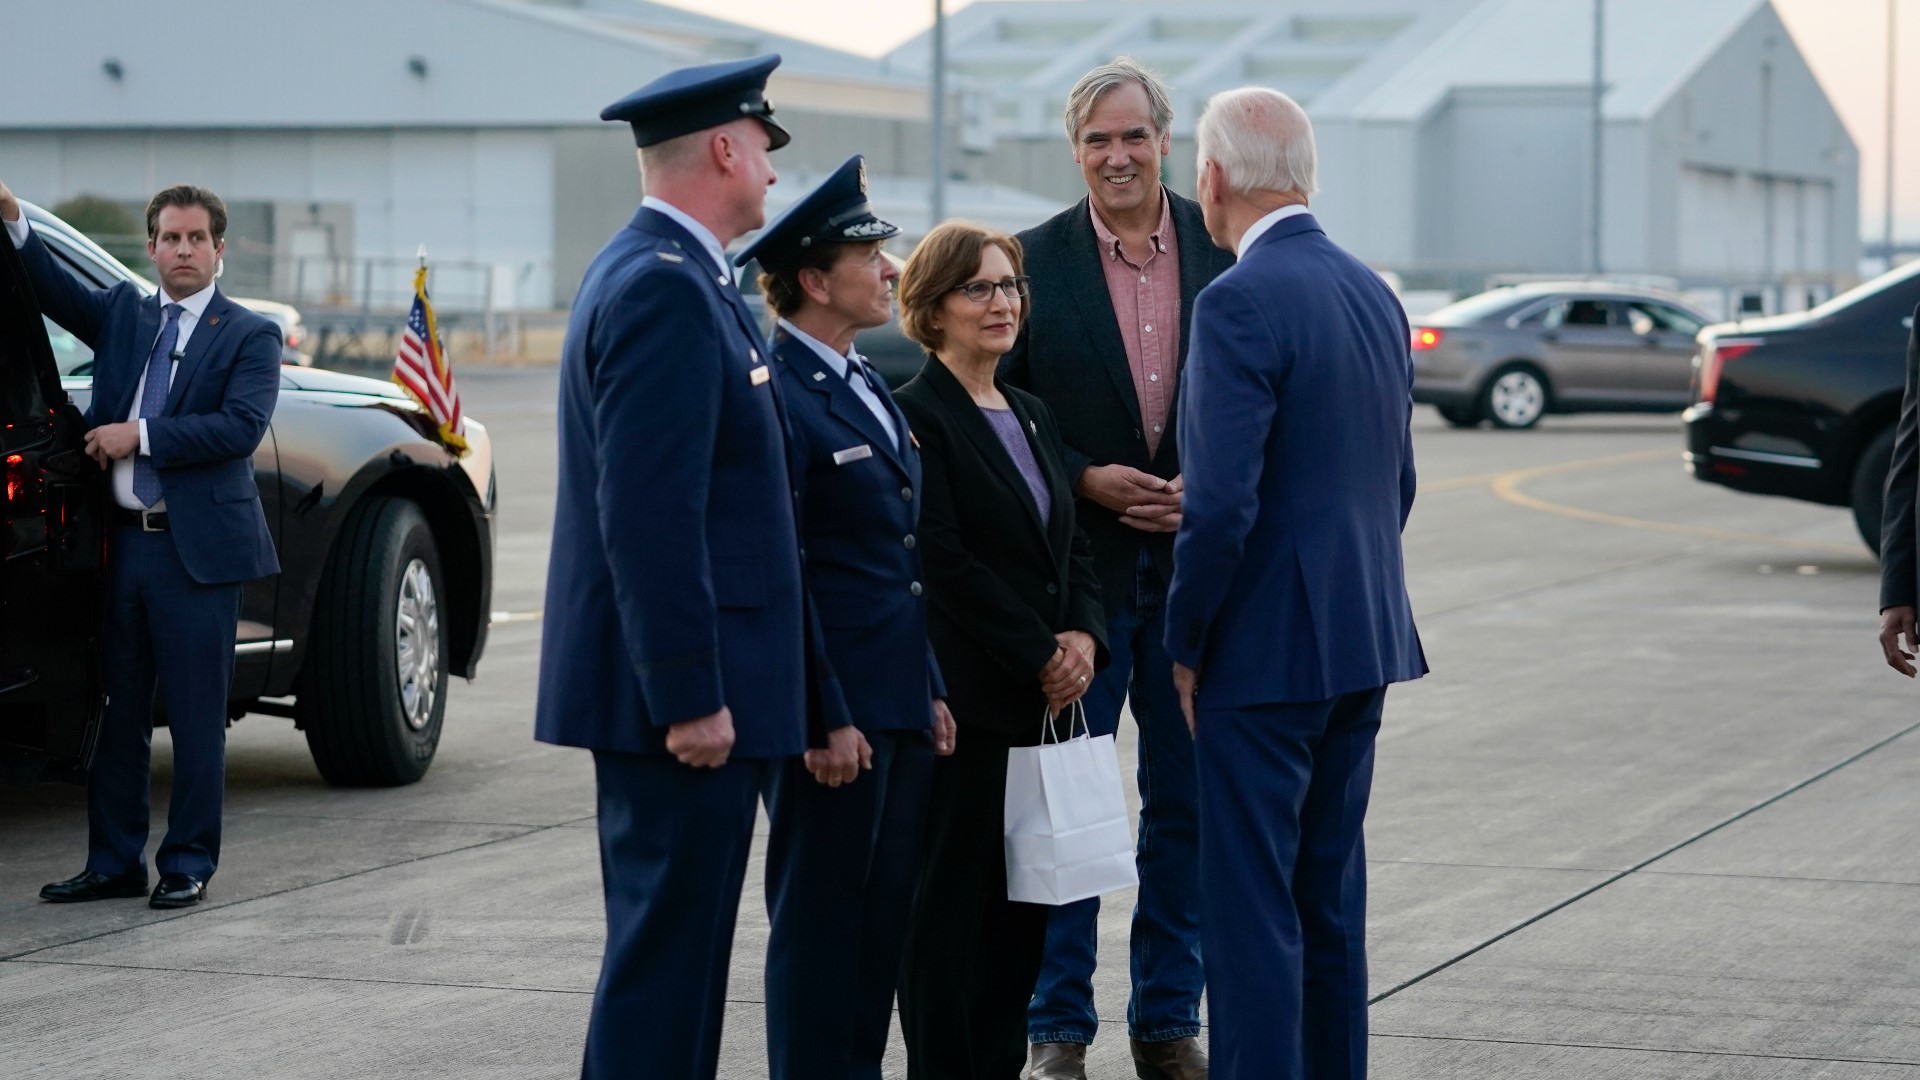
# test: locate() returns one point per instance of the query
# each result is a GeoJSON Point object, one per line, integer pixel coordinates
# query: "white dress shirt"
{"type": "Point", "coordinates": [838, 364]}
{"type": "Point", "coordinates": [191, 309]}
{"type": "Point", "coordinates": [708, 241]}
{"type": "Point", "coordinates": [1259, 228]}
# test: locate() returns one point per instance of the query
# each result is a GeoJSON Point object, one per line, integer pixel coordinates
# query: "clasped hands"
{"type": "Point", "coordinates": [1067, 676]}
{"type": "Point", "coordinates": [1142, 500]}
{"type": "Point", "coordinates": [706, 743]}
{"type": "Point", "coordinates": [111, 442]}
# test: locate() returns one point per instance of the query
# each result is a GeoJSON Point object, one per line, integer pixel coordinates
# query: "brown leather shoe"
{"type": "Point", "coordinates": [1057, 1061]}
{"type": "Point", "coordinates": [1175, 1059]}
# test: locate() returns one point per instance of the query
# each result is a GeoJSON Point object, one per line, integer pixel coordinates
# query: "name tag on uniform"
{"type": "Point", "coordinates": [851, 454]}
{"type": "Point", "coordinates": [760, 374]}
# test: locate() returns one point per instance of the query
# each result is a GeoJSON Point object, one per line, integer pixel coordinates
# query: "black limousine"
{"type": "Point", "coordinates": [1804, 405]}
{"type": "Point", "coordinates": [385, 541]}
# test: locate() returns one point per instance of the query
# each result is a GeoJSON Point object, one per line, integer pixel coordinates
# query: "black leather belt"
{"type": "Point", "coordinates": [144, 520]}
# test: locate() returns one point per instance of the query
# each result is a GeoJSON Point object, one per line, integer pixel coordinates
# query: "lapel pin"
{"type": "Point", "coordinates": [215, 321]}
{"type": "Point", "coordinates": [819, 376]}
{"type": "Point", "coordinates": [1033, 427]}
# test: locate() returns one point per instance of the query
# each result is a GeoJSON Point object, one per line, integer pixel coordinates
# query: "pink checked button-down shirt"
{"type": "Point", "coordinates": [1146, 301]}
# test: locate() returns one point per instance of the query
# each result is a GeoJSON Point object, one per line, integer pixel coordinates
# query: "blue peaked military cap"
{"type": "Point", "coordinates": [697, 98]}
{"type": "Point", "coordinates": [836, 212]}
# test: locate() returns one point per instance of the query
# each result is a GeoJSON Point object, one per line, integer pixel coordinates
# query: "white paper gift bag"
{"type": "Point", "coordinates": [1067, 828]}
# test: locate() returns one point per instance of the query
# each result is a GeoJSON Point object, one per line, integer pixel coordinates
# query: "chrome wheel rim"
{"type": "Point", "coordinates": [1518, 398]}
{"type": "Point", "coordinates": [416, 648]}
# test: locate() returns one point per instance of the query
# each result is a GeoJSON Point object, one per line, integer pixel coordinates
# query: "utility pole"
{"type": "Point", "coordinates": [1887, 228]}
{"type": "Point", "coordinates": [938, 205]}
{"type": "Point", "coordinates": [1599, 90]}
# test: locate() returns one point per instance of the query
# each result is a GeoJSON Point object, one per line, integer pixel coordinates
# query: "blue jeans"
{"type": "Point", "coordinates": [1165, 948]}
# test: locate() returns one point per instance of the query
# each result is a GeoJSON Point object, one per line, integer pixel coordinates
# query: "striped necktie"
{"type": "Point", "coordinates": [153, 397]}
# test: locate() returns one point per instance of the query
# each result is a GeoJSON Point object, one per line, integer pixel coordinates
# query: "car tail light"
{"type": "Point", "coordinates": [294, 338]}
{"type": "Point", "coordinates": [16, 476]}
{"type": "Point", "coordinates": [1426, 337]}
{"type": "Point", "coordinates": [1714, 357]}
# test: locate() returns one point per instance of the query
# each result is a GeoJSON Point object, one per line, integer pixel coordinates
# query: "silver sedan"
{"type": "Point", "coordinates": [1516, 353]}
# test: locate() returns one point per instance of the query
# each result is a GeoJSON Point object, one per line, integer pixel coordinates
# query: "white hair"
{"type": "Point", "coordinates": [1261, 139]}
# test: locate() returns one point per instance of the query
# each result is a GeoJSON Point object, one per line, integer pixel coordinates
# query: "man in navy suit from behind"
{"type": "Point", "coordinates": [1288, 614]}
{"type": "Point", "coordinates": [184, 384]}
{"type": "Point", "coordinates": [676, 645]}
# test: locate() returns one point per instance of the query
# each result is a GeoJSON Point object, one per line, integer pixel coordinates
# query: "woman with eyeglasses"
{"type": "Point", "coordinates": [1017, 628]}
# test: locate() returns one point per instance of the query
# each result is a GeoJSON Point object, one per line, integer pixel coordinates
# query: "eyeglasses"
{"type": "Point", "coordinates": [981, 291]}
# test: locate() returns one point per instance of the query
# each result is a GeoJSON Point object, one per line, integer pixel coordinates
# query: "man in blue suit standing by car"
{"type": "Point", "coordinates": [184, 384]}
{"type": "Point", "coordinates": [1288, 614]}
{"type": "Point", "coordinates": [675, 647]}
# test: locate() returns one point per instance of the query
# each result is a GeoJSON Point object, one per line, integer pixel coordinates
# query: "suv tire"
{"type": "Point", "coordinates": [1869, 494]}
{"type": "Point", "coordinates": [373, 689]}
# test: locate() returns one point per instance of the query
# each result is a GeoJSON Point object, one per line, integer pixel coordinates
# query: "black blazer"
{"type": "Point", "coordinates": [1001, 584]}
{"type": "Point", "coordinates": [1898, 567]}
{"type": "Point", "coordinates": [1071, 356]}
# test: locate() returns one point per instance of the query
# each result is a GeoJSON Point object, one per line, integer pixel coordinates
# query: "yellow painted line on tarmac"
{"type": "Point", "coordinates": [500, 618]}
{"type": "Point", "coordinates": [1506, 487]}
{"type": "Point", "coordinates": [1458, 483]}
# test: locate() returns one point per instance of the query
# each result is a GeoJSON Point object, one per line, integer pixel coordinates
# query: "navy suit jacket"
{"type": "Point", "coordinates": [862, 555]}
{"type": "Point", "coordinates": [1295, 407]}
{"type": "Point", "coordinates": [674, 586]}
{"type": "Point", "coordinates": [217, 409]}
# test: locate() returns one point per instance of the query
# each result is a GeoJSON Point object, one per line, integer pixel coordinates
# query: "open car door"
{"type": "Point", "coordinates": [52, 554]}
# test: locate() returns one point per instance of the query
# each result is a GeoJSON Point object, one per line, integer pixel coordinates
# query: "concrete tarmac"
{"type": "Point", "coordinates": [1653, 815]}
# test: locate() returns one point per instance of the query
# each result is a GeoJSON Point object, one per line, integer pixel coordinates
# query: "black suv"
{"type": "Point", "coordinates": [1804, 405]}
{"type": "Point", "coordinates": [385, 541]}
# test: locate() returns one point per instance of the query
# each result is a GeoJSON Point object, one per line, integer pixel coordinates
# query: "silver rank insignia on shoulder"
{"type": "Point", "coordinates": [668, 256]}
{"type": "Point", "coordinates": [760, 375]}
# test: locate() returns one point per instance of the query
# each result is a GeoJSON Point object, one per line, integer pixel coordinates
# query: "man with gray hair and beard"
{"type": "Point", "coordinates": [1288, 615]}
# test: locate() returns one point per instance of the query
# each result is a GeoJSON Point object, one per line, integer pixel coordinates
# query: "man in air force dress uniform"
{"type": "Point", "coordinates": [674, 646]}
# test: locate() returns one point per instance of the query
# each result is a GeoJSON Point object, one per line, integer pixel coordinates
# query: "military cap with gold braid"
{"type": "Point", "coordinates": [836, 212]}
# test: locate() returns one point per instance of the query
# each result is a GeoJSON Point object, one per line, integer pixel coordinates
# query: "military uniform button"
{"type": "Point", "coordinates": [907, 494]}
{"type": "Point", "coordinates": [909, 541]}
{"type": "Point", "coordinates": [915, 589]}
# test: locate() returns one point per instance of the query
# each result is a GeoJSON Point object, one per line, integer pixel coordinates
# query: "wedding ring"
{"type": "Point", "coordinates": [1083, 678]}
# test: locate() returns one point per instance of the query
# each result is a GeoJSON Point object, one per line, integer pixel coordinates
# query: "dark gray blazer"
{"type": "Point", "coordinates": [1897, 550]}
{"type": "Point", "coordinates": [1071, 356]}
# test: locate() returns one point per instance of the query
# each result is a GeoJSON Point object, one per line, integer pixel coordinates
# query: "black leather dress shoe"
{"type": "Point", "coordinates": [178, 890]}
{"type": "Point", "coordinates": [88, 885]}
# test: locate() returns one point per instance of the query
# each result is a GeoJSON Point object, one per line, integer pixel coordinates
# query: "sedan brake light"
{"type": "Point", "coordinates": [1426, 337]}
{"type": "Point", "coordinates": [1714, 357]}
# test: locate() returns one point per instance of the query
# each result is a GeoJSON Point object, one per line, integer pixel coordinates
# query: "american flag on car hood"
{"type": "Point", "coordinates": [422, 370]}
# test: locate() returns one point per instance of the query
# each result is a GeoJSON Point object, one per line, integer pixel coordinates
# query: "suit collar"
{"type": "Point", "coordinates": [216, 313]}
{"type": "Point", "coordinates": [797, 351]}
{"type": "Point", "coordinates": [1084, 268]}
{"type": "Point", "coordinates": [967, 415]}
{"type": "Point", "coordinates": [1282, 223]}
{"type": "Point", "coordinates": [710, 244]}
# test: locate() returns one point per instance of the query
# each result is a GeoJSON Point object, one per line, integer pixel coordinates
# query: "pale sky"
{"type": "Point", "coordinates": [1843, 40]}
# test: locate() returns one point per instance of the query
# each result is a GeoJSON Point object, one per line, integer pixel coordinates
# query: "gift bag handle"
{"type": "Point", "coordinates": [1074, 711]}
